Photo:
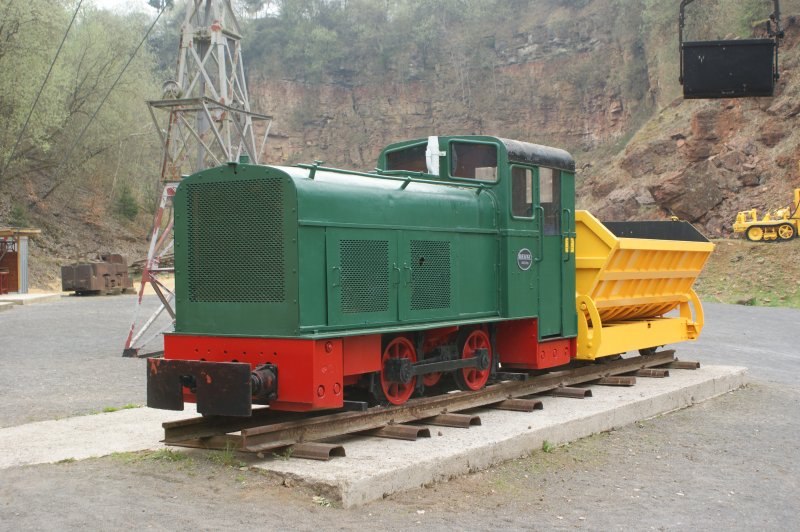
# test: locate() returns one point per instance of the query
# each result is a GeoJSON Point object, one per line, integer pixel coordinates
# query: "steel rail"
{"type": "Point", "coordinates": [267, 430]}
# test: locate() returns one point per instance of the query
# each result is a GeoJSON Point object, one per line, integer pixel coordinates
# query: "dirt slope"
{"type": "Point", "coordinates": [752, 273]}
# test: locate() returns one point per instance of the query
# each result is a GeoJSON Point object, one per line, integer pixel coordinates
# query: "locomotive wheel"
{"type": "Point", "coordinates": [473, 378]}
{"type": "Point", "coordinates": [786, 231]}
{"type": "Point", "coordinates": [755, 234]}
{"type": "Point", "coordinates": [396, 393]}
{"type": "Point", "coordinates": [432, 379]}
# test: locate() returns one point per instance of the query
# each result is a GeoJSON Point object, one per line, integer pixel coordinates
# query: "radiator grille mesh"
{"type": "Point", "coordinates": [235, 242]}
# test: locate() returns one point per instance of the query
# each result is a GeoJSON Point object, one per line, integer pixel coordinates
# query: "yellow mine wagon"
{"type": "Point", "coordinates": [778, 226]}
{"type": "Point", "coordinates": [634, 284]}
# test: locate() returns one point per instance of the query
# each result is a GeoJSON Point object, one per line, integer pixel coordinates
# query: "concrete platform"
{"type": "Point", "coordinates": [375, 467]}
{"type": "Point", "coordinates": [27, 299]}
{"type": "Point", "coordinates": [6, 305]}
{"type": "Point", "coordinates": [82, 437]}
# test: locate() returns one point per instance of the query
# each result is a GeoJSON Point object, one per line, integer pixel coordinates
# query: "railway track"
{"type": "Point", "coordinates": [267, 430]}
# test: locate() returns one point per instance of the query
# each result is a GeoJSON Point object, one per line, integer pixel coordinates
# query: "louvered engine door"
{"type": "Point", "coordinates": [427, 276]}
{"type": "Point", "coordinates": [362, 274]}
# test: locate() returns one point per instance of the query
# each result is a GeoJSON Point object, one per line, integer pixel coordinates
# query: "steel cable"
{"type": "Point", "coordinates": [39, 94]}
{"type": "Point", "coordinates": [102, 102]}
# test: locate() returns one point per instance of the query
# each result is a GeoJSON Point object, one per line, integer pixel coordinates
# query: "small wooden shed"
{"type": "Point", "coordinates": [14, 258]}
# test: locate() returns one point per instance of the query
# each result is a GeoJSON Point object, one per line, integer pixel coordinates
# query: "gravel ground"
{"type": "Point", "coordinates": [64, 358]}
{"type": "Point", "coordinates": [728, 464]}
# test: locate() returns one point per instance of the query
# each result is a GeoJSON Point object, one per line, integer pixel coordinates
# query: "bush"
{"type": "Point", "coordinates": [18, 216]}
{"type": "Point", "coordinates": [126, 203]}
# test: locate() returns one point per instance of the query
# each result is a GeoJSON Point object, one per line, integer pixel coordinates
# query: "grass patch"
{"type": "Point", "coordinates": [109, 409]}
{"type": "Point", "coordinates": [160, 455]}
{"type": "Point", "coordinates": [168, 455]}
{"type": "Point", "coordinates": [127, 457]}
{"type": "Point", "coordinates": [285, 455]}
{"type": "Point", "coordinates": [547, 446]}
{"type": "Point", "coordinates": [752, 274]}
{"type": "Point", "coordinates": [66, 461]}
{"type": "Point", "coordinates": [226, 457]}
{"type": "Point", "coordinates": [319, 500]}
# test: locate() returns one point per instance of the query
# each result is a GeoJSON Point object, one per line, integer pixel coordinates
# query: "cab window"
{"type": "Point", "coordinates": [411, 159]}
{"type": "Point", "coordinates": [473, 161]}
{"type": "Point", "coordinates": [550, 199]}
{"type": "Point", "coordinates": [521, 192]}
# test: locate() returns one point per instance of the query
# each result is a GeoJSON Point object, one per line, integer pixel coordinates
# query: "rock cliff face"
{"type": "Point", "coordinates": [553, 77]}
{"type": "Point", "coordinates": [704, 161]}
{"type": "Point", "coordinates": [349, 126]}
{"type": "Point", "coordinates": [611, 100]}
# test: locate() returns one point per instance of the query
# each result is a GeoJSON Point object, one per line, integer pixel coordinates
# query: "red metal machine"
{"type": "Point", "coordinates": [106, 275]}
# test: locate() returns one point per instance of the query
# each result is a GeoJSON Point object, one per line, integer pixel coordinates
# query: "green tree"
{"type": "Point", "coordinates": [119, 145]}
{"type": "Point", "coordinates": [126, 203]}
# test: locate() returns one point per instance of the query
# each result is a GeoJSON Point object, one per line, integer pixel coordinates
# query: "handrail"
{"type": "Point", "coordinates": [540, 251]}
{"type": "Point", "coordinates": [407, 177]}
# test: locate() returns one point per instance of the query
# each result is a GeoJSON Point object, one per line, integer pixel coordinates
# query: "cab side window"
{"type": "Point", "coordinates": [473, 161]}
{"type": "Point", "coordinates": [521, 192]}
{"type": "Point", "coordinates": [411, 159]}
{"type": "Point", "coordinates": [550, 199]}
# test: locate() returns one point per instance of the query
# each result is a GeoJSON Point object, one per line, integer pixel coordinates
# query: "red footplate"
{"type": "Point", "coordinates": [518, 347]}
{"type": "Point", "coordinates": [310, 372]}
{"type": "Point", "coordinates": [555, 352]}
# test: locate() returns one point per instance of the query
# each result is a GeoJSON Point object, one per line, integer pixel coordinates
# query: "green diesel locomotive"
{"type": "Point", "coordinates": [297, 286]}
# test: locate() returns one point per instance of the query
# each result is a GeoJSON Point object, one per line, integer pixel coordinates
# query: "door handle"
{"type": "Point", "coordinates": [407, 270]}
{"type": "Point", "coordinates": [336, 276]}
{"type": "Point", "coordinates": [395, 274]}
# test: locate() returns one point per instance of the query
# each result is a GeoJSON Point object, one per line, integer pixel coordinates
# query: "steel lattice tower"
{"type": "Point", "coordinates": [203, 119]}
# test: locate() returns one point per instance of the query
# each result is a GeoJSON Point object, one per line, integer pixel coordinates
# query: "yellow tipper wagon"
{"type": "Point", "coordinates": [630, 276]}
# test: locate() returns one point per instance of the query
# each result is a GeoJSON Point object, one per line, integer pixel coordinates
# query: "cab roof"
{"type": "Point", "coordinates": [527, 152]}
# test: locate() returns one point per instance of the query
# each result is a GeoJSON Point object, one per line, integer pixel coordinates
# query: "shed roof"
{"type": "Point", "coordinates": [18, 231]}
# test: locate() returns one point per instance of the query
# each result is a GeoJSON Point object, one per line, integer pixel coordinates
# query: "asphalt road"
{"type": "Point", "coordinates": [763, 339]}
{"type": "Point", "coordinates": [63, 358]}
{"type": "Point", "coordinates": [730, 463]}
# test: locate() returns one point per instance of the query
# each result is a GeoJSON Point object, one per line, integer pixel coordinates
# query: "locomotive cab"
{"type": "Point", "coordinates": [534, 188]}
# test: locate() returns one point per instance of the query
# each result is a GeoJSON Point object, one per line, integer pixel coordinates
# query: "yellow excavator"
{"type": "Point", "coordinates": [776, 226]}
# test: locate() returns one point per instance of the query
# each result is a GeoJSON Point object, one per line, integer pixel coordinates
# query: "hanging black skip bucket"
{"type": "Point", "coordinates": [730, 68]}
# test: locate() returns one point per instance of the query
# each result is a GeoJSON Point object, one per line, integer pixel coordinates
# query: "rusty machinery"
{"type": "Point", "coordinates": [108, 274]}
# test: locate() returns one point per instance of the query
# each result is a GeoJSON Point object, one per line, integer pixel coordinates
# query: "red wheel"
{"type": "Point", "coordinates": [473, 378]}
{"type": "Point", "coordinates": [432, 379]}
{"type": "Point", "coordinates": [397, 393]}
